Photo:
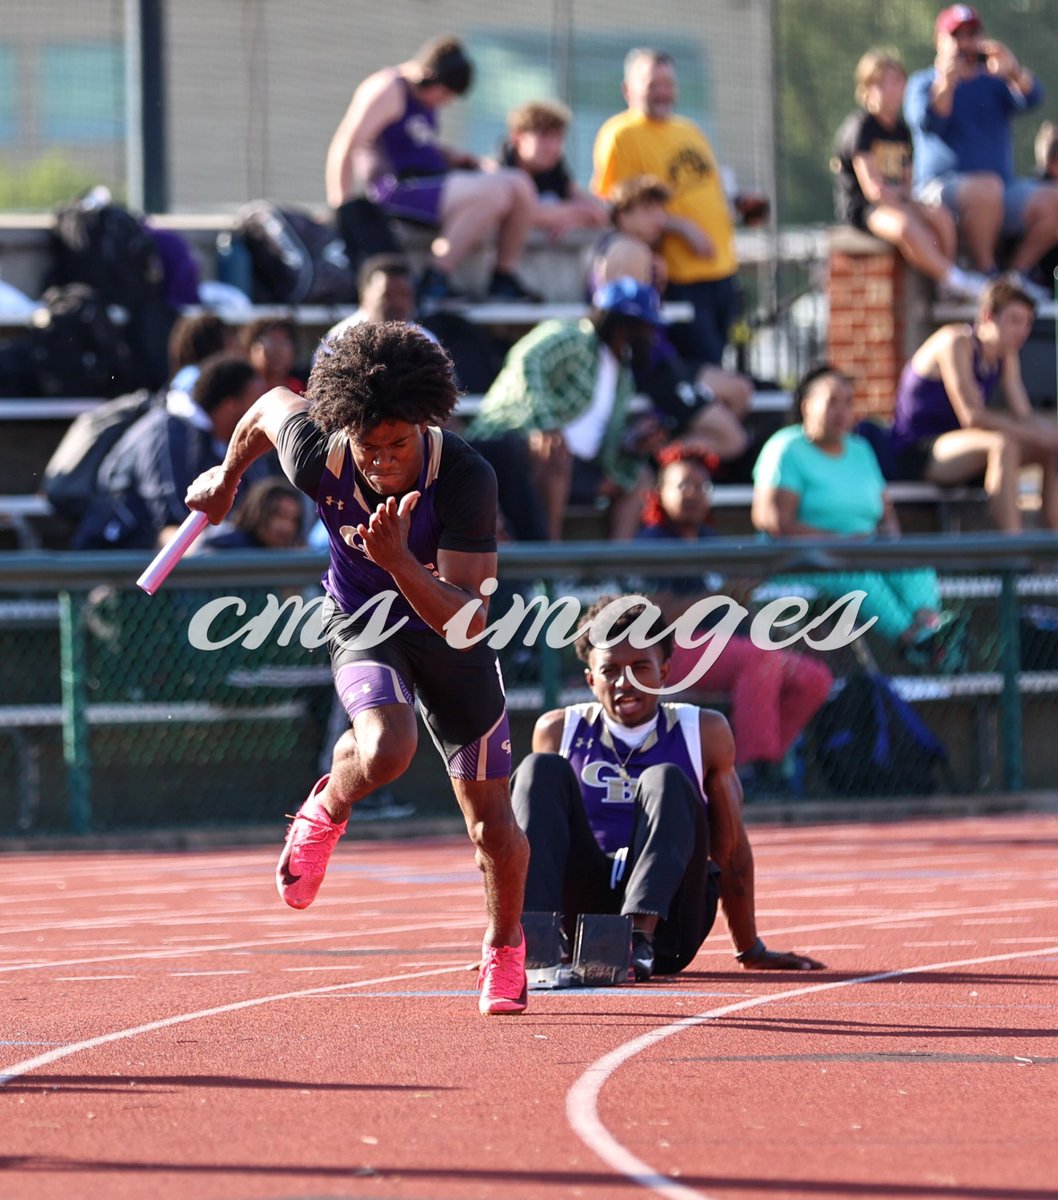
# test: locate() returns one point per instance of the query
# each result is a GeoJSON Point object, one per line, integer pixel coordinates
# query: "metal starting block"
{"type": "Point", "coordinates": [543, 949]}
{"type": "Point", "coordinates": [602, 950]}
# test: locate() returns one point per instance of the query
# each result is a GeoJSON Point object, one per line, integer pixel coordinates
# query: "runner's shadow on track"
{"type": "Point", "coordinates": [537, 1179]}
{"type": "Point", "coordinates": [868, 976]}
{"type": "Point", "coordinates": [859, 1029]}
{"type": "Point", "coordinates": [155, 1084]}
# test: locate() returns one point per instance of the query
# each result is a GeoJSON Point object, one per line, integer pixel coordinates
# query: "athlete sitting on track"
{"type": "Point", "coordinates": [409, 510]}
{"type": "Point", "coordinates": [631, 806]}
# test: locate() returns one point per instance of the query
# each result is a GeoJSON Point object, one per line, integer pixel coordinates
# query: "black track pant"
{"type": "Point", "coordinates": [667, 872]}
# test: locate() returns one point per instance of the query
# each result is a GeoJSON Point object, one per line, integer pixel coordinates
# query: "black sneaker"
{"type": "Point", "coordinates": [435, 289]}
{"type": "Point", "coordinates": [508, 287]}
{"type": "Point", "coordinates": [642, 955]}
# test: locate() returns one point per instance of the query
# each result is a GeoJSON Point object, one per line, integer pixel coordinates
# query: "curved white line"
{"type": "Point", "coordinates": [43, 1060]}
{"type": "Point", "coordinates": [582, 1098]}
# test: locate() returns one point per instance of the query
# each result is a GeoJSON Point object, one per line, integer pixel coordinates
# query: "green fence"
{"type": "Point", "coordinates": [111, 718]}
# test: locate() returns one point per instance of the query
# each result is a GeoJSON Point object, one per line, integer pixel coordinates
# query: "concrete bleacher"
{"type": "Point", "coordinates": [33, 427]}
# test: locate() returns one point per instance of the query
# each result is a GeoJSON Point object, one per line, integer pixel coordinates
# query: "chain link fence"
{"type": "Point", "coordinates": [111, 719]}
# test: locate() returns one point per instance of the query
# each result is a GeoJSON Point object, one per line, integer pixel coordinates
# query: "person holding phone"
{"type": "Point", "coordinates": [960, 112]}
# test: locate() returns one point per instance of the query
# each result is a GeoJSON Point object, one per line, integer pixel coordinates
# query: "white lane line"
{"type": "Point", "coordinates": [90, 978]}
{"type": "Point", "coordinates": [582, 1098]}
{"type": "Point", "coordinates": [207, 916]}
{"type": "Point", "coordinates": [7, 1074]}
{"type": "Point", "coordinates": [196, 974]}
{"type": "Point", "coordinates": [294, 939]}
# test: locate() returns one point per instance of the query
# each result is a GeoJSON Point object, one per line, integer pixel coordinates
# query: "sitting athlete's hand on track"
{"type": "Point", "coordinates": [760, 958]}
{"type": "Point", "coordinates": [212, 493]}
{"type": "Point", "coordinates": [386, 533]}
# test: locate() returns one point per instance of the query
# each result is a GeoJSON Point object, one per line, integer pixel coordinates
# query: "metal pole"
{"type": "Point", "coordinates": [550, 670]}
{"type": "Point", "coordinates": [1010, 700]}
{"type": "Point", "coordinates": [75, 749]}
{"type": "Point", "coordinates": [133, 107]}
{"type": "Point", "coordinates": [153, 93]}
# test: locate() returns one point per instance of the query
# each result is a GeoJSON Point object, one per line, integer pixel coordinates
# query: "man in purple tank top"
{"type": "Point", "coordinates": [945, 428]}
{"type": "Point", "coordinates": [411, 515]}
{"type": "Point", "coordinates": [387, 148]}
{"type": "Point", "coordinates": [634, 807]}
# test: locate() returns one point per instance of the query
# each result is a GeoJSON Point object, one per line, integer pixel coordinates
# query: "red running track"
{"type": "Point", "coordinates": [170, 1030]}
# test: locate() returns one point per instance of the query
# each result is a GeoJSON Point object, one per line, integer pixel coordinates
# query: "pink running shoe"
{"type": "Point", "coordinates": [311, 838]}
{"type": "Point", "coordinates": [502, 980]}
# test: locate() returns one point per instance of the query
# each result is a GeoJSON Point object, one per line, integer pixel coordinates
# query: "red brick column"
{"type": "Point", "coordinates": [866, 287]}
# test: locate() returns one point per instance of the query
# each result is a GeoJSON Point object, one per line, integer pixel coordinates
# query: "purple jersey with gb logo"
{"type": "Point", "coordinates": [607, 768]}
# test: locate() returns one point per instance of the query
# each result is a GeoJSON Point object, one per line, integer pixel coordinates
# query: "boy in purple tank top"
{"type": "Point", "coordinates": [946, 430]}
{"type": "Point", "coordinates": [634, 807]}
{"type": "Point", "coordinates": [410, 511]}
{"type": "Point", "coordinates": [387, 147]}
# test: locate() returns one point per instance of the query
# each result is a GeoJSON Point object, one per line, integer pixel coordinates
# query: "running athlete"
{"type": "Point", "coordinates": [632, 806]}
{"type": "Point", "coordinates": [410, 510]}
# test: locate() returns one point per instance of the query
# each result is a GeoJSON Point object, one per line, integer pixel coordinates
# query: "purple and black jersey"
{"type": "Point", "coordinates": [607, 769]}
{"type": "Point", "coordinates": [410, 144]}
{"type": "Point", "coordinates": [456, 508]}
{"type": "Point", "coordinates": [923, 409]}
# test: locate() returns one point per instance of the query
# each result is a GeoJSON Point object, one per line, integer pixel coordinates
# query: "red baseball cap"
{"type": "Point", "coordinates": [956, 16]}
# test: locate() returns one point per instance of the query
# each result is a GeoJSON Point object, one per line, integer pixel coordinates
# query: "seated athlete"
{"type": "Point", "coordinates": [387, 146]}
{"type": "Point", "coordinates": [410, 511]}
{"type": "Point", "coordinates": [633, 806]}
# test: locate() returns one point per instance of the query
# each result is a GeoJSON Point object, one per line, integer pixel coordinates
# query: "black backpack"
{"type": "Point", "coordinates": [75, 349]}
{"type": "Point", "coordinates": [296, 259]}
{"type": "Point", "coordinates": [867, 741]}
{"type": "Point", "coordinates": [103, 246]}
{"type": "Point", "coordinates": [70, 478]}
{"type": "Point", "coordinates": [107, 248]}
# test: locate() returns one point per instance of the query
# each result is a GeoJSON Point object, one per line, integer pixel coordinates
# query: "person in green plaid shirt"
{"type": "Point", "coordinates": [565, 387]}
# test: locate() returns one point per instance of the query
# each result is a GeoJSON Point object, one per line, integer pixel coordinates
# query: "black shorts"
{"type": "Point", "coordinates": [460, 692]}
{"type": "Point", "coordinates": [911, 461]}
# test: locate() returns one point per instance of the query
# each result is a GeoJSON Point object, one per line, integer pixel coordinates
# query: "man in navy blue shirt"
{"type": "Point", "coordinates": [959, 112]}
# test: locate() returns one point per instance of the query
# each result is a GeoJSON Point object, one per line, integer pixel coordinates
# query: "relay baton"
{"type": "Point", "coordinates": [172, 552]}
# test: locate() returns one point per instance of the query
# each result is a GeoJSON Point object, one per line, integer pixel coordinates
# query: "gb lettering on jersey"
{"type": "Point", "coordinates": [619, 786]}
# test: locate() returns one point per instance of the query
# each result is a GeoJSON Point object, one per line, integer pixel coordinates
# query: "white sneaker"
{"type": "Point", "coordinates": [964, 285]}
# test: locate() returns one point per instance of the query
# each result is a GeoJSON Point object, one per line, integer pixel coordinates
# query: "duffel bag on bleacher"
{"type": "Point", "coordinates": [296, 259]}
{"type": "Point", "coordinates": [867, 741]}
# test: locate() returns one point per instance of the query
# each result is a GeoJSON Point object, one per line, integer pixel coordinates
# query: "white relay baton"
{"type": "Point", "coordinates": [172, 552]}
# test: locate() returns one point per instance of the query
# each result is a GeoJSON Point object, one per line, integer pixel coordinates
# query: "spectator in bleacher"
{"type": "Point", "coordinates": [946, 427]}
{"type": "Point", "coordinates": [816, 478]}
{"type": "Point", "coordinates": [536, 135]}
{"type": "Point", "coordinates": [565, 389]}
{"type": "Point", "coordinates": [386, 287]}
{"type": "Point", "coordinates": [271, 517]}
{"type": "Point", "coordinates": [144, 478]}
{"type": "Point", "coordinates": [1046, 151]}
{"type": "Point", "coordinates": [191, 341]}
{"type": "Point", "coordinates": [773, 694]}
{"type": "Point", "coordinates": [699, 242]}
{"type": "Point", "coordinates": [872, 179]}
{"type": "Point", "coordinates": [271, 346]}
{"type": "Point", "coordinates": [960, 111]}
{"type": "Point", "coordinates": [707, 405]}
{"type": "Point", "coordinates": [387, 146]}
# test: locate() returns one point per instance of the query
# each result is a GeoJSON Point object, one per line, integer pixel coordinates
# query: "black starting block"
{"type": "Point", "coordinates": [602, 950]}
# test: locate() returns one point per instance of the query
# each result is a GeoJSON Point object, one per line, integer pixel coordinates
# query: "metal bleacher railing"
{"type": "Point", "coordinates": [110, 718]}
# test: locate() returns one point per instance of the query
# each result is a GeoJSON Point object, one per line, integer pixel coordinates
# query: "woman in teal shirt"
{"type": "Point", "coordinates": [819, 479]}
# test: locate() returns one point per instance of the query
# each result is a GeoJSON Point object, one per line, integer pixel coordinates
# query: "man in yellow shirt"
{"type": "Point", "coordinates": [699, 240]}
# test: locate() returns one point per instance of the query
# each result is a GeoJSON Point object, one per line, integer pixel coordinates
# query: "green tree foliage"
{"type": "Point", "coordinates": [817, 46]}
{"type": "Point", "coordinates": [51, 179]}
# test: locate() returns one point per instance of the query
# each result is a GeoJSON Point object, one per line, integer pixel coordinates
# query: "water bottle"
{"type": "Point", "coordinates": [233, 262]}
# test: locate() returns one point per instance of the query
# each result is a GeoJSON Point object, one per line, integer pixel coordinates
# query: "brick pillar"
{"type": "Point", "coordinates": [867, 283]}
